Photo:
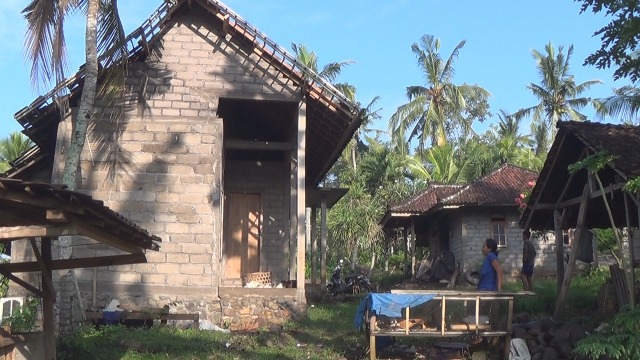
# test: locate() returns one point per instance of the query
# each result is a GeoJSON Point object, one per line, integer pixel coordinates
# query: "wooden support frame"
{"type": "Point", "coordinates": [44, 268]}
{"type": "Point", "coordinates": [301, 197]}
{"type": "Point", "coordinates": [323, 242]}
{"type": "Point", "coordinates": [76, 263]}
{"type": "Point", "coordinates": [580, 228]}
{"type": "Point", "coordinates": [448, 296]}
{"type": "Point", "coordinates": [558, 218]}
{"type": "Point", "coordinates": [48, 300]}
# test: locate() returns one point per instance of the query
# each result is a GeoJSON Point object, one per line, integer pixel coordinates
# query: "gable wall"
{"type": "Point", "coordinates": [169, 169]}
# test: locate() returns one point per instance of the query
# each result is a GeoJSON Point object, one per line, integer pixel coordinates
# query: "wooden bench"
{"type": "Point", "coordinates": [409, 327]}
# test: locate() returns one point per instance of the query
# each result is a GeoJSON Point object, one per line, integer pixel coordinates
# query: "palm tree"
{"type": "Point", "coordinates": [437, 105]}
{"type": "Point", "coordinates": [624, 103]}
{"type": "Point", "coordinates": [558, 92]}
{"type": "Point", "coordinates": [329, 72]}
{"type": "Point", "coordinates": [12, 148]}
{"type": "Point", "coordinates": [440, 164]}
{"type": "Point", "coordinates": [46, 49]}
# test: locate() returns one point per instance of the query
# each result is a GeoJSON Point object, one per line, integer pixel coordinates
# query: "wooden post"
{"type": "Point", "coordinates": [323, 242]}
{"type": "Point", "coordinates": [580, 229]}
{"type": "Point", "coordinates": [557, 224]}
{"type": "Point", "coordinates": [293, 218]}
{"type": "Point", "coordinates": [372, 338]}
{"type": "Point", "coordinates": [406, 249]}
{"type": "Point", "coordinates": [630, 273]}
{"type": "Point", "coordinates": [301, 197]}
{"type": "Point", "coordinates": [413, 248]}
{"type": "Point", "coordinates": [443, 324]}
{"type": "Point", "coordinates": [314, 245]}
{"type": "Point", "coordinates": [48, 299]}
{"type": "Point", "coordinates": [507, 340]}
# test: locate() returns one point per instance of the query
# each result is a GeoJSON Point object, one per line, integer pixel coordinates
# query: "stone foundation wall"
{"type": "Point", "coordinates": [248, 309]}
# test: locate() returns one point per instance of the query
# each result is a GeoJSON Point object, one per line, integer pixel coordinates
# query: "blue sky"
{"type": "Point", "coordinates": [377, 36]}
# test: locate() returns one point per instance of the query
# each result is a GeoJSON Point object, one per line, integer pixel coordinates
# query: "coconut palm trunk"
{"type": "Point", "coordinates": [87, 100]}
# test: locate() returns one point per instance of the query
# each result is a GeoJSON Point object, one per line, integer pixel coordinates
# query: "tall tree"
{"type": "Point", "coordinates": [440, 164]}
{"type": "Point", "coordinates": [329, 72]}
{"type": "Point", "coordinates": [619, 37]}
{"type": "Point", "coordinates": [46, 48]}
{"type": "Point", "coordinates": [558, 92]}
{"type": "Point", "coordinates": [623, 104]}
{"type": "Point", "coordinates": [11, 148]}
{"type": "Point", "coordinates": [439, 104]}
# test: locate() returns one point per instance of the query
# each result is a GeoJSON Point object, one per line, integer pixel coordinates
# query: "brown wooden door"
{"type": "Point", "coordinates": [242, 248]}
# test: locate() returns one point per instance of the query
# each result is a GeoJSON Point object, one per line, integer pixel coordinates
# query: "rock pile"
{"type": "Point", "coordinates": [547, 338]}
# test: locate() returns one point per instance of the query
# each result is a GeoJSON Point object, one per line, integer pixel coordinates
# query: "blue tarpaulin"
{"type": "Point", "coordinates": [388, 304]}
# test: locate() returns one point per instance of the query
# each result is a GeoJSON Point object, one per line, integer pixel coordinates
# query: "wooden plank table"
{"type": "Point", "coordinates": [445, 329]}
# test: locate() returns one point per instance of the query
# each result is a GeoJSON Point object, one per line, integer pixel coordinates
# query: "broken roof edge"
{"type": "Point", "coordinates": [57, 197]}
{"type": "Point", "coordinates": [153, 24]}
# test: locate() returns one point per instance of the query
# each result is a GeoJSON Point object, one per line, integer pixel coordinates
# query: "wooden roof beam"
{"type": "Point", "coordinates": [259, 145]}
{"type": "Point", "coordinates": [104, 237]}
{"type": "Point", "coordinates": [20, 282]}
{"type": "Point", "coordinates": [46, 278]}
{"type": "Point", "coordinates": [75, 263]}
{"type": "Point", "coordinates": [35, 201]}
{"type": "Point", "coordinates": [22, 232]}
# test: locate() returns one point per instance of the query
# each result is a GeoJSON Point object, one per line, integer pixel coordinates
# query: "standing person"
{"type": "Point", "coordinates": [491, 271]}
{"type": "Point", "coordinates": [528, 257]}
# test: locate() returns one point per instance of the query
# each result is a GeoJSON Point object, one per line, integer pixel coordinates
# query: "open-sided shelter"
{"type": "Point", "coordinates": [223, 141]}
{"type": "Point", "coordinates": [34, 215]}
{"type": "Point", "coordinates": [563, 200]}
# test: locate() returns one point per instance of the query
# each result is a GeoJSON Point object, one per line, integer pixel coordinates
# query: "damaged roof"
{"type": "Point", "coordinates": [30, 206]}
{"type": "Point", "coordinates": [332, 118]}
{"type": "Point", "coordinates": [555, 185]}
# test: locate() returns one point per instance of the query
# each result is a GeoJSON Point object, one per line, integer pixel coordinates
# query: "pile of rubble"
{"type": "Point", "coordinates": [547, 338]}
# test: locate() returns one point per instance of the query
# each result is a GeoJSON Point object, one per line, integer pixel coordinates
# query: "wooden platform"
{"type": "Point", "coordinates": [445, 328]}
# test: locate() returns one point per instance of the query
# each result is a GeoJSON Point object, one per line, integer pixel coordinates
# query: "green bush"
{"type": "Point", "coordinates": [24, 318]}
{"type": "Point", "coordinates": [619, 340]}
{"type": "Point", "coordinates": [582, 295]}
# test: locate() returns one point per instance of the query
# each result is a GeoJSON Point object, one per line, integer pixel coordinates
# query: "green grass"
{"type": "Point", "coordinates": [326, 333]}
{"type": "Point", "coordinates": [581, 298]}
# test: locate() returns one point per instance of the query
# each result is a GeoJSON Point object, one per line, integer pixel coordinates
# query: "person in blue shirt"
{"type": "Point", "coordinates": [491, 271]}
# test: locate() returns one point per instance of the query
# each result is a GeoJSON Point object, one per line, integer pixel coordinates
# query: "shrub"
{"type": "Point", "coordinates": [619, 340]}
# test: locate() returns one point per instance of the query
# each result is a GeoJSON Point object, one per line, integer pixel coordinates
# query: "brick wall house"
{"type": "Point", "coordinates": [222, 142]}
{"type": "Point", "coordinates": [458, 218]}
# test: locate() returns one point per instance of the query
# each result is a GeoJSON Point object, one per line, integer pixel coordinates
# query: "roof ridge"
{"type": "Point", "coordinates": [419, 195]}
{"type": "Point", "coordinates": [151, 27]}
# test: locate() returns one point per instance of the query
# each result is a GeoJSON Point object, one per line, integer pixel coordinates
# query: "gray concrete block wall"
{"type": "Point", "coordinates": [161, 167]}
{"type": "Point", "coordinates": [476, 227]}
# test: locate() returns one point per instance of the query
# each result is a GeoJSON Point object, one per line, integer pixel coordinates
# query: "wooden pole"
{"type": "Point", "coordinates": [314, 245]}
{"type": "Point", "coordinates": [406, 250]}
{"type": "Point", "coordinates": [629, 272]}
{"type": "Point", "coordinates": [323, 242]}
{"type": "Point", "coordinates": [48, 299]}
{"type": "Point", "coordinates": [413, 249]}
{"type": "Point", "coordinates": [301, 204]}
{"type": "Point", "coordinates": [580, 229]}
{"type": "Point", "coordinates": [557, 220]}
{"type": "Point", "coordinates": [293, 218]}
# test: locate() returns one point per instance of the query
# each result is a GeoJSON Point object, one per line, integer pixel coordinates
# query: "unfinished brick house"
{"type": "Point", "coordinates": [221, 148]}
{"type": "Point", "coordinates": [458, 218]}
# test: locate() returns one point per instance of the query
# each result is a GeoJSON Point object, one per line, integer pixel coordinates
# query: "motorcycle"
{"type": "Point", "coordinates": [353, 284]}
